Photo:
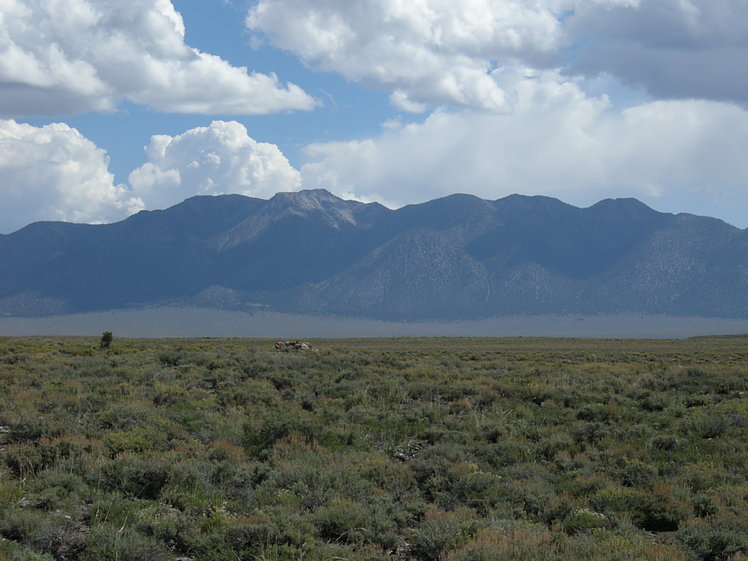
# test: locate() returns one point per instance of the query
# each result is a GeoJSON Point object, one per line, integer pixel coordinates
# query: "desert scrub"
{"type": "Point", "coordinates": [413, 449]}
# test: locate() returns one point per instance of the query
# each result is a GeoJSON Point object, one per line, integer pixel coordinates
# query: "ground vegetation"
{"type": "Point", "coordinates": [412, 449]}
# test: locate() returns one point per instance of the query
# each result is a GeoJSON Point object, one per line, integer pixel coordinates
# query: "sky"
{"type": "Point", "coordinates": [109, 107]}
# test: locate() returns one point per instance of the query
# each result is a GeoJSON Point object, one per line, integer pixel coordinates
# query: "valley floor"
{"type": "Point", "coordinates": [203, 322]}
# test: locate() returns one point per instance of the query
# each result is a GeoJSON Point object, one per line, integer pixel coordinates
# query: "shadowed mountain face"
{"type": "Point", "coordinates": [459, 257]}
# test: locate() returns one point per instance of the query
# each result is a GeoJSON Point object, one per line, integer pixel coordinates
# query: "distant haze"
{"type": "Point", "coordinates": [196, 322]}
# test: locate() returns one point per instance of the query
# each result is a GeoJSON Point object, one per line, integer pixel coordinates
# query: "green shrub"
{"type": "Point", "coordinates": [702, 476]}
{"type": "Point", "coordinates": [275, 527]}
{"type": "Point", "coordinates": [19, 524]}
{"type": "Point", "coordinates": [712, 543]}
{"type": "Point", "coordinates": [620, 545]}
{"type": "Point", "coordinates": [435, 461]}
{"type": "Point", "coordinates": [262, 431]}
{"type": "Point", "coordinates": [657, 510]}
{"type": "Point", "coordinates": [172, 357]}
{"type": "Point", "coordinates": [596, 413]}
{"type": "Point", "coordinates": [503, 453]}
{"type": "Point", "coordinates": [706, 425]}
{"type": "Point", "coordinates": [478, 489]}
{"type": "Point", "coordinates": [135, 440]}
{"type": "Point", "coordinates": [394, 478]}
{"type": "Point", "coordinates": [124, 415]}
{"type": "Point", "coordinates": [13, 551]}
{"type": "Point", "coordinates": [592, 433]}
{"type": "Point", "coordinates": [341, 520]}
{"type": "Point", "coordinates": [510, 542]}
{"type": "Point", "coordinates": [550, 446]}
{"type": "Point", "coordinates": [45, 533]}
{"type": "Point", "coordinates": [60, 537]}
{"type": "Point", "coordinates": [166, 524]}
{"type": "Point", "coordinates": [662, 442]}
{"type": "Point", "coordinates": [122, 544]}
{"type": "Point", "coordinates": [703, 505]}
{"type": "Point", "coordinates": [54, 489]}
{"type": "Point", "coordinates": [106, 340]}
{"type": "Point", "coordinates": [437, 534]}
{"type": "Point", "coordinates": [584, 520]}
{"type": "Point", "coordinates": [635, 473]}
{"type": "Point", "coordinates": [137, 476]}
{"type": "Point", "coordinates": [314, 479]}
{"type": "Point", "coordinates": [25, 460]}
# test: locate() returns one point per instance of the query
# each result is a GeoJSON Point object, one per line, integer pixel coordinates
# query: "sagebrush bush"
{"type": "Point", "coordinates": [123, 544]}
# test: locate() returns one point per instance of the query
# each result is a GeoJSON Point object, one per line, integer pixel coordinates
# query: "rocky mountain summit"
{"type": "Point", "coordinates": [458, 257]}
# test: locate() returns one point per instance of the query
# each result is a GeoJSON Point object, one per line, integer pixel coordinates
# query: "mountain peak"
{"type": "Point", "coordinates": [308, 199]}
{"type": "Point", "coordinates": [627, 203]}
{"type": "Point", "coordinates": [334, 210]}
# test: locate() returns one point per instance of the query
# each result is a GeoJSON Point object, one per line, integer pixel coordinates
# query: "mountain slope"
{"type": "Point", "coordinates": [459, 257]}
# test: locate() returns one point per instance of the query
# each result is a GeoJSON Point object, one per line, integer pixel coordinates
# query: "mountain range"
{"type": "Point", "coordinates": [310, 252]}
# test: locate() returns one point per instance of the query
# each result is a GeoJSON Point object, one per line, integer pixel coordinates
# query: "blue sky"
{"type": "Point", "coordinates": [107, 108]}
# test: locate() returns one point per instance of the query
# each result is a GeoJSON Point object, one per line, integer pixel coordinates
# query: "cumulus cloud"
{"type": "Point", "coordinates": [446, 51]}
{"type": "Point", "coordinates": [220, 158]}
{"type": "Point", "coordinates": [71, 56]}
{"type": "Point", "coordinates": [677, 155]}
{"type": "Point", "coordinates": [54, 173]}
{"type": "Point", "coordinates": [425, 52]}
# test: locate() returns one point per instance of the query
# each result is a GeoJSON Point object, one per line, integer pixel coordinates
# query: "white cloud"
{"type": "Point", "coordinates": [428, 52]}
{"type": "Point", "coordinates": [425, 51]}
{"type": "Point", "coordinates": [220, 158]}
{"type": "Point", "coordinates": [70, 56]}
{"type": "Point", "coordinates": [54, 173]}
{"type": "Point", "coordinates": [677, 155]}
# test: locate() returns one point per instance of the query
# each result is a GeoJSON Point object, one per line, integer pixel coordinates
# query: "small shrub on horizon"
{"type": "Point", "coordinates": [106, 340]}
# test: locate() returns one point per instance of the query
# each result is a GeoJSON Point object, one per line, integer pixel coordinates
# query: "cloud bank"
{"type": "Point", "coordinates": [673, 49]}
{"type": "Point", "coordinates": [73, 56]}
{"type": "Point", "coordinates": [677, 155]}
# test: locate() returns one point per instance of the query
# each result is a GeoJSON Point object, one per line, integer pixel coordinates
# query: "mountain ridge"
{"type": "Point", "coordinates": [456, 257]}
